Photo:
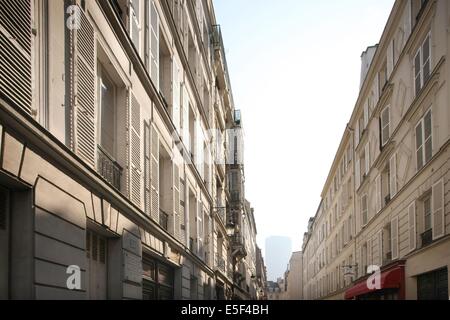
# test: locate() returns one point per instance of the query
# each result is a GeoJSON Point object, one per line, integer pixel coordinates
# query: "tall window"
{"type": "Point", "coordinates": [158, 280]}
{"type": "Point", "coordinates": [107, 112]}
{"type": "Point", "coordinates": [422, 64]}
{"type": "Point", "coordinates": [427, 214]}
{"type": "Point", "coordinates": [424, 141]}
{"type": "Point", "coordinates": [364, 209]}
{"type": "Point", "coordinates": [385, 126]}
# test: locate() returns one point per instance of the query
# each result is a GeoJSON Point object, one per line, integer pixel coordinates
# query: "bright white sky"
{"type": "Point", "coordinates": [295, 71]}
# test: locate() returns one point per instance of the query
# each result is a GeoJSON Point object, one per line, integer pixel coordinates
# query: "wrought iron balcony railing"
{"type": "Point", "coordinates": [220, 263]}
{"type": "Point", "coordinates": [108, 168]}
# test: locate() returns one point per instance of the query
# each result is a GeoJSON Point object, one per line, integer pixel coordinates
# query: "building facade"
{"type": "Point", "coordinates": [118, 136]}
{"type": "Point", "coordinates": [294, 277]}
{"type": "Point", "coordinates": [382, 230]}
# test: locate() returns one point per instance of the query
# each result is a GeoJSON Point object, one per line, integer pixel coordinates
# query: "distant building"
{"type": "Point", "coordinates": [278, 253]}
{"type": "Point", "coordinates": [294, 277]}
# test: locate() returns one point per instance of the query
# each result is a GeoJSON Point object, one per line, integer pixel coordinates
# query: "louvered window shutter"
{"type": "Point", "coordinates": [84, 90]}
{"type": "Point", "coordinates": [390, 59]}
{"type": "Point", "coordinates": [361, 262]}
{"type": "Point", "coordinates": [176, 112]}
{"type": "Point", "coordinates": [147, 36]}
{"type": "Point", "coordinates": [438, 210]}
{"type": "Point", "coordinates": [176, 200]}
{"type": "Point", "coordinates": [380, 248]}
{"type": "Point", "coordinates": [135, 151]}
{"type": "Point", "coordinates": [199, 227]}
{"type": "Point", "coordinates": [357, 173]}
{"type": "Point", "coordinates": [393, 175]}
{"type": "Point", "coordinates": [378, 195]}
{"type": "Point", "coordinates": [377, 88]}
{"type": "Point", "coordinates": [154, 44]}
{"type": "Point", "coordinates": [186, 138]}
{"type": "Point", "coordinates": [367, 156]}
{"type": "Point", "coordinates": [412, 227]}
{"type": "Point", "coordinates": [357, 135]}
{"type": "Point", "coordinates": [394, 238]}
{"type": "Point", "coordinates": [155, 174]}
{"type": "Point", "coordinates": [15, 53]}
{"type": "Point", "coordinates": [366, 115]}
{"type": "Point", "coordinates": [369, 253]}
{"type": "Point", "coordinates": [147, 169]}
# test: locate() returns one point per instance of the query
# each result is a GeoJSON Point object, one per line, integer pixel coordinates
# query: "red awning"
{"type": "Point", "coordinates": [390, 279]}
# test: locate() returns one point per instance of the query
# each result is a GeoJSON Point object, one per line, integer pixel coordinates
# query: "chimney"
{"type": "Point", "coordinates": [366, 61]}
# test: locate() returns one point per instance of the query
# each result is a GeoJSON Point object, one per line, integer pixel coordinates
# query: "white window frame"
{"type": "Point", "coordinates": [135, 18]}
{"type": "Point", "coordinates": [422, 64]}
{"type": "Point", "coordinates": [102, 73]}
{"type": "Point", "coordinates": [366, 210]}
{"type": "Point", "coordinates": [385, 139]}
{"type": "Point", "coordinates": [424, 142]}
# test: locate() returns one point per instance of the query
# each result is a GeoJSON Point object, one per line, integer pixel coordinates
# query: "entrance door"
{"type": "Point", "coordinates": [96, 246]}
{"type": "Point", "coordinates": [158, 280]}
{"type": "Point", "coordinates": [433, 285]}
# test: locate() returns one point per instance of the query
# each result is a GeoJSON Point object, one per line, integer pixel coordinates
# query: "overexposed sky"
{"type": "Point", "coordinates": [295, 73]}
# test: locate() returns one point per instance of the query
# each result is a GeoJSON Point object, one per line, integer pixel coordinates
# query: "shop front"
{"type": "Point", "coordinates": [389, 286]}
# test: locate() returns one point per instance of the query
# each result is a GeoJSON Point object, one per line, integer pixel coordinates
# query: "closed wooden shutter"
{"type": "Point", "coordinates": [15, 52]}
{"type": "Point", "coordinates": [394, 238]}
{"type": "Point", "coordinates": [186, 138]}
{"type": "Point", "coordinates": [357, 135]}
{"type": "Point", "coordinates": [361, 262]}
{"type": "Point", "coordinates": [135, 151]}
{"type": "Point", "coordinates": [176, 202]}
{"type": "Point", "coordinates": [155, 174]}
{"type": "Point", "coordinates": [377, 88]}
{"type": "Point", "coordinates": [390, 59]}
{"type": "Point", "coordinates": [380, 248]}
{"type": "Point", "coordinates": [176, 110]}
{"type": "Point", "coordinates": [393, 175]}
{"type": "Point", "coordinates": [147, 169]}
{"type": "Point", "coordinates": [412, 226]}
{"type": "Point", "coordinates": [438, 210]}
{"type": "Point", "coordinates": [379, 197]}
{"type": "Point", "coordinates": [367, 156]}
{"type": "Point", "coordinates": [357, 173]}
{"type": "Point", "coordinates": [84, 91]}
{"type": "Point", "coordinates": [199, 227]}
{"type": "Point", "coordinates": [154, 44]}
{"type": "Point", "coordinates": [366, 115]}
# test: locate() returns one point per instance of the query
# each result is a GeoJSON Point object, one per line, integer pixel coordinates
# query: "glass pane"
{"type": "Point", "coordinates": [419, 139]}
{"type": "Point", "coordinates": [417, 64]}
{"type": "Point", "coordinates": [107, 113]}
{"type": "Point", "coordinates": [165, 276]}
{"type": "Point", "coordinates": [426, 49]}
{"type": "Point", "coordinates": [148, 269]}
{"type": "Point", "coordinates": [418, 85]}
{"type": "Point", "coordinates": [165, 293]}
{"type": "Point", "coordinates": [148, 291]}
{"type": "Point", "coordinates": [427, 213]}
{"type": "Point", "coordinates": [419, 158]}
{"type": "Point", "coordinates": [427, 122]}
{"type": "Point", "coordinates": [428, 150]}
